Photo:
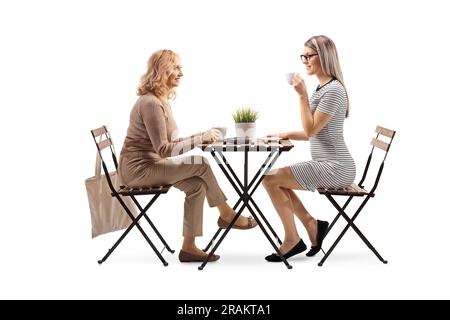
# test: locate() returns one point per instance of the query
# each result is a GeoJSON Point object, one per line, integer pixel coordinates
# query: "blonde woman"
{"type": "Point", "coordinates": [151, 141]}
{"type": "Point", "coordinates": [322, 118]}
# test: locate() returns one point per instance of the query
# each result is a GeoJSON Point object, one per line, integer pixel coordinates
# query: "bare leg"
{"type": "Point", "coordinates": [275, 184]}
{"type": "Point", "coordinates": [303, 215]}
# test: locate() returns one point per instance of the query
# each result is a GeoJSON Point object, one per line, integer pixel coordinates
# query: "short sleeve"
{"type": "Point", "coordinates": [332, 101]}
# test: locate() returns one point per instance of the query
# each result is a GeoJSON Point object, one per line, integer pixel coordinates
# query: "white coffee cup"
{"type": "Point", "coordinates": [289, 77]}
{"type": "Point", "coordinates": [223, 131]}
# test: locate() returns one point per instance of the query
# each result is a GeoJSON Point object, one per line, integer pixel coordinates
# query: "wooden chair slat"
{"type": "Point", "coordinates": [386, 132]}
{"type": "Point", "coordinates": [99, 131]}
{"type": "Point", "coordinates": [127, 191]}
{"type": "Point", "coordinates": [105, 143]}
{"type": "Point", "coordinates": [380, 144]}
{"type": "Point", "coordinates": [353, 190]}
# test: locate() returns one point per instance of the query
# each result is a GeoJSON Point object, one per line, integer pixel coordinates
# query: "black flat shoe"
{"type": "Point", "coordinates": [298, 248]}
{"type": "Point", "coordinates": [322, 227]}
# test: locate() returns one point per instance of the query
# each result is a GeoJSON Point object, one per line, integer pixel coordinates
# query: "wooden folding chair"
{"type": "Point", "coordinates": [358, 191]}
{"type": "Point", "coordinates": [102, 139]}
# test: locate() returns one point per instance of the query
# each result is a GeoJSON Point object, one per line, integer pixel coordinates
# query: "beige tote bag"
{"type": "Point", "coordinates": [107, 214]}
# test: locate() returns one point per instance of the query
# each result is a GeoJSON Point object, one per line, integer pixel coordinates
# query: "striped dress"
{"type": "Point", "coordinates": [331, 166]}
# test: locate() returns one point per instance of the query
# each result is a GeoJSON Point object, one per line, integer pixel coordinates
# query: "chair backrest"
{"type": "Point", "coordinates": [103, 140]}
{"type": "Point", "coordinates": [382, 145]}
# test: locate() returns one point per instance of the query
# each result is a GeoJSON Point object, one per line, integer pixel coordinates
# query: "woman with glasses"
{"type": "Point", "coordinates": [151, 141]}
{"type": "Point", "coordinates": [332, 166]}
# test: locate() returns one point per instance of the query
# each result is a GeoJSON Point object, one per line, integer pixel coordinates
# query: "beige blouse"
{"type": "Point", "coordinates": [152, 132]}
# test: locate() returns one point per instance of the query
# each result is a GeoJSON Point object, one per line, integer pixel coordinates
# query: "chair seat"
{"type": "Point", "coordinates": [353, 190]}
{"type": "Point", "coordinates": [128, 191]}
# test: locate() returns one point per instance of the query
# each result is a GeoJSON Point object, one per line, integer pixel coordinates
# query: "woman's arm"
{"type": "Point", "coordinates": [193, 137]}
{"type": "Point", "coordinates": [208, 136]}
{"type": "Point", "coordinates": [155, 123]}
{"type": "Point", "coordinates": [312, 122]}
{"type": "Point", "coordinates": [293, 135]}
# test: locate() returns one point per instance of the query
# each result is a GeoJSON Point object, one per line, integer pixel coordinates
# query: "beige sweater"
{"type": "Point", "coordinates": [152, 132]}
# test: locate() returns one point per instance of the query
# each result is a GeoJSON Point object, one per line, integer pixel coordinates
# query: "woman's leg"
{"type": "Point", "coordinates": [190, 246]}
{"type": "Point", "coordinates": [303, 215]}
{"type": "Point", "coordinates": [214, 194]}
{"type": "Point", "coordinates": [277, 183]}
{"type": "Point", "coordinates": [194, 176]}
{"type": "Point", "coordinates": [195, 191]}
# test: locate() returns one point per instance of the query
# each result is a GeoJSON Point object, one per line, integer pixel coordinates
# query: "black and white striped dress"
{"type": "Point", "coordinates": [331, 166]}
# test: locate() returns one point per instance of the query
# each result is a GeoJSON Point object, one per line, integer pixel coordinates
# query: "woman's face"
{"type": "Point", "coordinates": [311, 61]}
{"type": "Point", "coordinates": [175, 76]}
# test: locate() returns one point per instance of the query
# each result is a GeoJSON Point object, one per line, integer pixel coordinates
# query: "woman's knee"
{"type": "Point", "coordinates": [192, 186]}
{"type": "Point", "coordinates": [198, 186]}
{"type": "Point", "coordinates": [270, 179]}
{"type": "Point", "coordinates": [280, 178]}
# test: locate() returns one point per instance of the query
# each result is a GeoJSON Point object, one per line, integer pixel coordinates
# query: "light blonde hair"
{"type": "Point", "coordinates": [329, 60]}
{"type": "Point", "coordinates": [160, 67]}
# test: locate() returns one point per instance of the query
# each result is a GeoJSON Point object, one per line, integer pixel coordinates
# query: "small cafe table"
{"type": "Point", "coordinates": [246, 189]}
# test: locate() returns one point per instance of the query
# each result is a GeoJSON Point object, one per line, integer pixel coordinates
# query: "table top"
{"type": "Point", "coordinates": [258, 146]}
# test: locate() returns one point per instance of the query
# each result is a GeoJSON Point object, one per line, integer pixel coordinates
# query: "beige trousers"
{"type": "Point", "coordinates": [191, 174]}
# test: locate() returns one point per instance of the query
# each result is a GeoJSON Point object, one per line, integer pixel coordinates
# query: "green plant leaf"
{"type": "Point", "coordinates": [245, 115]}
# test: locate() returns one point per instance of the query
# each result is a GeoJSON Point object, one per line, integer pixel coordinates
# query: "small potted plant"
{"type": "Point", "coordinates": [244, 119]}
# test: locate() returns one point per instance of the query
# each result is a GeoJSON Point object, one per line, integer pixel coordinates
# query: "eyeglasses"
{"type": "Point", "coordinates": [305, 57]}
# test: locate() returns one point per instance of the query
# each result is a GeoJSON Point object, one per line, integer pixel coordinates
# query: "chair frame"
{"type": "Point", "coordinates": [124, 191]}
{"type": "Point", "coordinates": [358, 191]}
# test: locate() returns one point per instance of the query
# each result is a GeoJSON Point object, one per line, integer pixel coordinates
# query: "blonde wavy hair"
{"type": "Point", "coordinates": [160, 67]}
{"type": "Point", "coordinates": [329, 60]}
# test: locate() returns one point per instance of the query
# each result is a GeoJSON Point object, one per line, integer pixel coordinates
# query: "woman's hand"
{"type": "Point", "coordinates": [277, 135]}
{"type": "Point", "coordinates": [299, 85]}
{"type": "Point", "coordinates": [210, 136]}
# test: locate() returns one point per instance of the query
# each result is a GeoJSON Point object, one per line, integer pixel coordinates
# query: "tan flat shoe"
{"type": "Point", "coordinates": [251, 223]}
{"type": "Point", "coordinates": [190, 257]}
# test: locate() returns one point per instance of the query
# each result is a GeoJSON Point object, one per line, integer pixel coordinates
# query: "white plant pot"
{"type": "Point", "coordinates": [246, 130]}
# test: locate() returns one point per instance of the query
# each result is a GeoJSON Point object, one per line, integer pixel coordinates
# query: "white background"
{"type": "Point", "coordinates": [70, 66]}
